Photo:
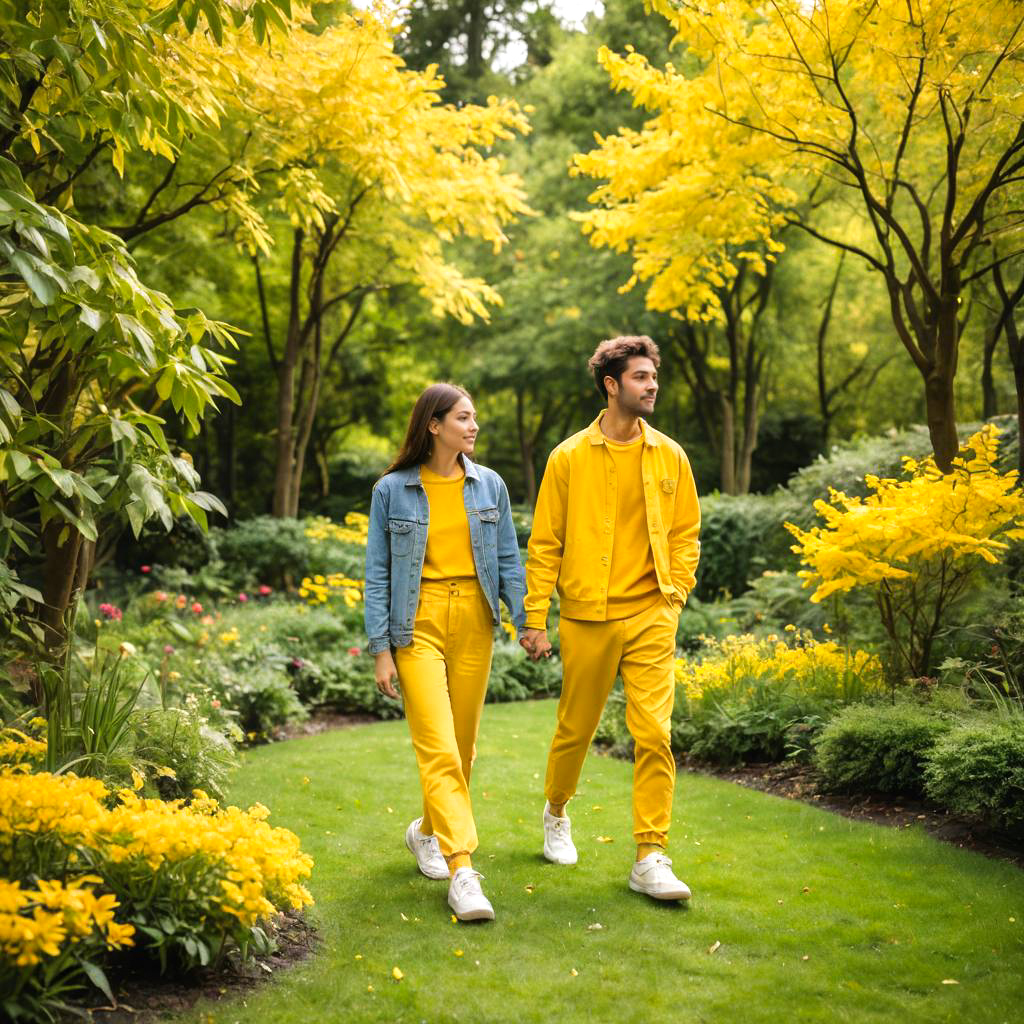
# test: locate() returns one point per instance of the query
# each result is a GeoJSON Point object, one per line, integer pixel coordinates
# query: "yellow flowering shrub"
{"type": "Point", "coordinates": [353, 531]}
{"type": "Point", "coordinates": [333, 587]}
{"type": "Point", "coordinates": [807, 666]}
{"type": "Point", "coordinates": [190, 880]}
{"type": "Point", "coordinates": [750, 698]}
{"type": "Point", "coordinates": [20, 747]}
{"type": "Point", "coordinates": [916, 543]}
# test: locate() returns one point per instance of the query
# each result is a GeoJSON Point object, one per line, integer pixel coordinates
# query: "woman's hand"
{"type": "Point", "coordinates": [386, 674]}
{"type": "Point", "coordinates": [536, 643]}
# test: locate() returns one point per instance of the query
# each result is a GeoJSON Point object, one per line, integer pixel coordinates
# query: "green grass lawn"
{"type": "Point", "coordinates": [811, 917]}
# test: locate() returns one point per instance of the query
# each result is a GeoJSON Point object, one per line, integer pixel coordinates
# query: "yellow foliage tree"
{"type": "Point", "coordinates": [914, 113]}
{"type": "Point", "coordinates": [356, 159]}
{"type": "Point", "coordinates": [916, 543]}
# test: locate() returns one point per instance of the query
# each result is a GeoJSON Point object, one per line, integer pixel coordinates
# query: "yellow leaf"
{"type": "Point", "coordinates": [396, 973]}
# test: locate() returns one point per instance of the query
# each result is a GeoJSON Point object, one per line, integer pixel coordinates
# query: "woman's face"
{"type": "Point", "coordinates": [457, 431]}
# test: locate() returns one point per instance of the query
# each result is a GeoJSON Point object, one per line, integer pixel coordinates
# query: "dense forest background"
{"type": "Point", "coordinates": [812, 358]}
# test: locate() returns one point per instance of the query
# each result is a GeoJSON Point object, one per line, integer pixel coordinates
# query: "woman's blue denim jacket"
{"type": "Point", "coordinates": [397, 543]}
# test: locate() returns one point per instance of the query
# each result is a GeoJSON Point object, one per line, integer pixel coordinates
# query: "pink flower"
{"type": "Point", "coordinates": [297, 663]}
{"type": "Point", "coordinates": [265, 591]}
{"type": "Point", "coordinates": [111, 611]}
{"type": "Point", "coordinates": [168, 649]}
{"type": "Point", "coordinates": [145, 569]}
{"type": "Point", "coordinates": [354, 651]}
{"type": "Point", "coordinates": [160, 597]}
{"type": "Point", "coordinates": [215, 703]}
{"type": "Point", "coordinates": [242, 598]}
{"type": "Point", "coordinates": [197, 607]}
{"type": "Point", "coordinates": [207, 620]}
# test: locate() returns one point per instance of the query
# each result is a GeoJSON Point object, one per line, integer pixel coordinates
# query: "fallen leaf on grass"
{"type": "Point", "coordinates": [574, 973]}
{"type": "Point", "coordinates": [597, 807]}
{"type": "Point", "coordinates": [595, 927]}
{"type": "Point", "coordinates": [369, 988]}
{"type": "Point", "coordinates": [391, 810]}
{"type": "Point", "coordinates": [396, 973]}
{"type": "Point", "coordinates": [806, 888]}
{"type": "Point", "coordinates": [359, 956]}
{"type": "Point", "coordinates": [805, 957]}
{"type": "Point", "coordinates": [529, 888]}
{"type": "Point", "coordinates": [604, 839]}
{"type": "Point", "coordinates": [716, 945]}
{"type": "Point", "coordinates": [458, 952]}
{"type": "Point", "coordinates": [402, 916]}
{"type": "Point", "coordinates": [950, 981]}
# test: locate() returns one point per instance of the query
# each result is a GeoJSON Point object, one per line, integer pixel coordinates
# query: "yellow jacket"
{"type": "Point", "coordinates": [574, 525]}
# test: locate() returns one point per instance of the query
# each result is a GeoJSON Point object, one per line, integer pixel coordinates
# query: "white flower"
{"type": "Point", "coordinates": [127, 649]}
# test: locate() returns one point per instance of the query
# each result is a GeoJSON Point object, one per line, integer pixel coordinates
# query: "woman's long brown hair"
{"type": "Point", "coordinates": [435, 403]}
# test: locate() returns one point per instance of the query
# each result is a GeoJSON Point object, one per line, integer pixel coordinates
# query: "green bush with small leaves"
{"type": "Point", "coordinates": [879, 748]}
{"type": "Point", "coordinates": [977, 769]}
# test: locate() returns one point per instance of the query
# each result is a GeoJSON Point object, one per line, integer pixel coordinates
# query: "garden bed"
{"type": "Point", "coordinates": [145, 997]}
{"type": "Point", "coordinates": [800, 782]}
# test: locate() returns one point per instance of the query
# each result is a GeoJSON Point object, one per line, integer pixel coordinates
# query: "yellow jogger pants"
{"type": "Point", "coordinates": [443, 677]}
{"type": "Point", "coordinates": [642, 649]}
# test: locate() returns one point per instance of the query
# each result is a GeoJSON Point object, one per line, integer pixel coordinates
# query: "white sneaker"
{"type": "Point", "coordinates": [653, 876]}
{"type": "Point", "coordinates": [558, 846]}
{"type": "Point", "coordinates": [426, 851]}
{"type": "Point", "coordinates": [467, 899]}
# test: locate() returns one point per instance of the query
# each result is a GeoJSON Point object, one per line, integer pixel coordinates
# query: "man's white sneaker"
{"type": "Point", "coordinates": [558, 846]}
{"type": "Point", "coordinates": [653, 876]}
{"type": "Point", "coordinates": [467, 899]}
{"type": "Point", "coordinates": [426, 851]}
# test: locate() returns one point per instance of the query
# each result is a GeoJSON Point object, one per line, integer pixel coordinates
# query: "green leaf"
{"type": "Point", "coordinates": [21, 465]}
{"type": "Point", "coordinates": [136, 516]}
{"type": "Point", "coordinates": [165, 383]}
{"type": "Point", "coordinates": [98, 978]}
{"type": "Point", "coordinates": [204, 499]}
{"type": "Point", "coordinates": [214, 21]}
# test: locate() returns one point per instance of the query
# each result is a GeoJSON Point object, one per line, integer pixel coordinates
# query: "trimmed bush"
{"type": "Point", "coordinates": [878, 748]}
{"type": "Point", "coordinates": [978, 769]}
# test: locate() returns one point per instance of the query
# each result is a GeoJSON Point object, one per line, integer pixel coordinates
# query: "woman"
{"type": "Point", "coordinates": [441, 550]}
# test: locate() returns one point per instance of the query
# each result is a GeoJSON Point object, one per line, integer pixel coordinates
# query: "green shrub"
{"type": "Point", "coordinates": [515, 677]}
{"type": "Point", "coordinates": [265, 549]}
{"type": "Point", "coordinates": [180, 739]}
{"type": "Point", "coordinates": [343, 681]}
{"type": "Point", "coordinates": [978, 769]}
{"type": "Point", "coordinates": [734, 533]}
{"type": "Point", "coordinates": [878, 748]}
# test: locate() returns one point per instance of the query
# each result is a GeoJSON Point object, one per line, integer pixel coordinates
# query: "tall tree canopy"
{"type": "Point", "coordinates": [912, 113]}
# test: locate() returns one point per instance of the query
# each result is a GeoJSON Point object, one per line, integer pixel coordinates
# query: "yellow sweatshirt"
{"type": "Point", "coordinates": [449, 546]}
{"type": "Point", "coordinates": [633, 580]}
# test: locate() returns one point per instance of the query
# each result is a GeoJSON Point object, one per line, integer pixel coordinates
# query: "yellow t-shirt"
{"type": "Point", "coordinates": [449, 545]}
{"type": "Point", "coordinates": [633, 581]}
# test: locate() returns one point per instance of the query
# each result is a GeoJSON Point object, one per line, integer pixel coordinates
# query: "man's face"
{"type": "Point", "coordinates": [638, 389]}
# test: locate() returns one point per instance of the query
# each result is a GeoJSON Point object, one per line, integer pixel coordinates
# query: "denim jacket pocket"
{"type": "Point", "coordinates": [401, 531]}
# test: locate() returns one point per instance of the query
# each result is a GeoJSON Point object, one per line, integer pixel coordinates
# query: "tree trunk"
{"type": "Point", "coordinates": [989, 401]}
{"type": "Point", "coordinates": [728, 453]}
{"type": "Point", "coordinates": [284, 467]}
{"type": "Point", "coordinates": [60, 571]}
{"type": "Point", "coordinates": [940, 401]}
{"type": "Point", "coordinates": [526, 452]}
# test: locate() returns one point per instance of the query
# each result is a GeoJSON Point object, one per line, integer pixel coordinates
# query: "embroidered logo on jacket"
{"type": "Point", "coordinates": [668, 486]}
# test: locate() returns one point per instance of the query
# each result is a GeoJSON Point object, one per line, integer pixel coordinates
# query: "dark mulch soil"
{"type": "Point", "coordinates": [322, 721]}
{"type": "Point", "coordinates": [143, 998]}
{"type": "Point", "coordinates": [798, 782]}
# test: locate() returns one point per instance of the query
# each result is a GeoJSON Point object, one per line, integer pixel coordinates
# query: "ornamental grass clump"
{"type": "Point", "coordinates": [750, 698]}
{"type": "Point", "coordinates": [917, 544]}
{"type": "Point", "coordinates": [184, 882]}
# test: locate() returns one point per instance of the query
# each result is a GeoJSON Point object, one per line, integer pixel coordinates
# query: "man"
{"type": "Point", "coordinates": [616, 529]}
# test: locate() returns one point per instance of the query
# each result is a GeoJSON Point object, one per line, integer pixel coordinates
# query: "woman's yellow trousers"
{"type": "Point", "coordinates": [642, 649]}
{"type": "Point", "coordinates": [443, 677]}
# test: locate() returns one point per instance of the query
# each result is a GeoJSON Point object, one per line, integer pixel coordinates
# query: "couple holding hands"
{"type": "Point", "coordinates": [615, 530]}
